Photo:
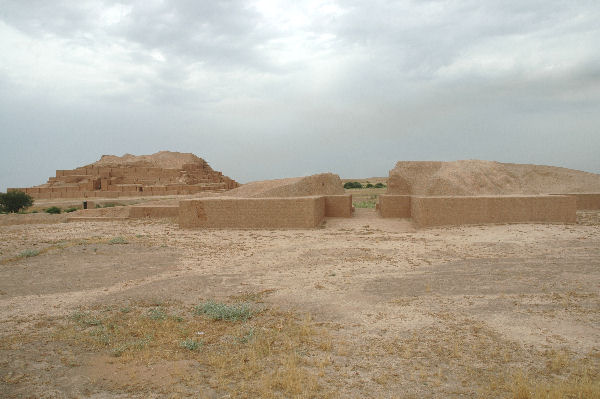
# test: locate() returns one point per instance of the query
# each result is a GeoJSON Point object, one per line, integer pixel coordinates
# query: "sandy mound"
{"type": "Point", "coordinates": [474, 177]}
{"type": "Point", "coordinates": [162, 159]}
{"type": "Point", "coordinates": [321, 184]}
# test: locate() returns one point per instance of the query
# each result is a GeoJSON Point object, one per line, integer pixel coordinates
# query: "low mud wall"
{"type": "Point", "coordinates": [587, 201]}
{"type": "Point", "coordinates": [156, 211]}
{"type": "Point", "coordinates": [229, 212]}
{"type": "Point", "coordinates": [441, 211]}
{"type": "Point", "coordinates": [338, 206]}
{"type": "Point", "coordinates": [394, 206]}
{"type": "Point", "coordinates": [32, 218]}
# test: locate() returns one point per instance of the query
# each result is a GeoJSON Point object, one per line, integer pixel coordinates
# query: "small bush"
{"type": "Point", "coordinates": [117, 240]}
{"type": "Point", "coordinates": [190, 344]}
{"type": "Point", "coordinates": [369, 185]}
{"type": "Point", "coordinates": [365, 204]}
{"type": "Point", "coordinates": [14, 201]}
{"type": "Point", "coordinates": [28, 253]}
{"type": "Point", "coordinates": [85, 319]}
{"type": "Point", "coordinates": [69, 210]}
{"type": "Point", "coordinates": [157, 314]}
{"type": "Point", "coordinates": [353, 184]}
{"type": "Point", "coordinates": [222, 311]}
{"type": "Point", "coordinates": [53, 210]}
{"type": "Point", "coordinates": [380, 185]}
{"type": "Point", "coordinates": [248, 337]}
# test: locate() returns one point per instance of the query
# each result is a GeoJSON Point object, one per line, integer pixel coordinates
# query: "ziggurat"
{"type": "Point", "coordinates": [133, 177]}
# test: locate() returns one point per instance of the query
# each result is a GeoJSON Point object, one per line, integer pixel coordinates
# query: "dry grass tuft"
{"type": "Point", "coordinates": [578, 385]}
{"type": "Point", "coordinates": [274, 354]}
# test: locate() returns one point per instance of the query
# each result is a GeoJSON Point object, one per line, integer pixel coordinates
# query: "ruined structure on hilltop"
{"type": "Point", "coordinates": [163, 173]}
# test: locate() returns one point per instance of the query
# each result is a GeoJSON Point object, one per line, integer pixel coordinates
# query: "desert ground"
{"type": "Point", "coordinates": [360, 307]}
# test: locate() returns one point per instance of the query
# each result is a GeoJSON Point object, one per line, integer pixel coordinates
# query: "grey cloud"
{"type": "Point", "coordinates": [38, 17]}
{"type": "Point", "coordinates": [220, 33]}
{"type": "Point", "coordinates": [224, 34]}
{"type": "Point", "coordinates": [421, 36]}
{"type": "Point", "coordinates": [366, 86]}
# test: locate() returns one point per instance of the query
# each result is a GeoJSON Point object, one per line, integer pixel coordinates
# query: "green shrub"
{"type": "Point", "coordinates": [28, 253]}
{"type": "Point", "coordinates": [14, 201]}
{"type": "Point", "coordinates": [53, 210]}
{"type": "Point", "coordinates": [85, 319]}
{"type": "Point", "coordinates": [222, 311]}
{"type": "Point", "coordinates": [365, 204]}
{"type": "Point", "coordinates": [353, 184]}
{"type": "Point", "coordinates": [190, 344]}
{"type": "Point", "coordinates": [157, 314]}
{"type": "Point", "coordinates": [69, 210]}
{"type": "Point", "coordinates": [117, 240]}
{"type": "Point", "coordinates": [379, 185]}
{"type": "Point", "coordinates": [369, 185]}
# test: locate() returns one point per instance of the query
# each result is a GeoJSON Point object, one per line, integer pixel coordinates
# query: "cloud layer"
{"type": "Point", "coordinates": [270, 88]}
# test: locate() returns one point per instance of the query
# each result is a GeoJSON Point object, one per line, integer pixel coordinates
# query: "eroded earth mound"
{"type": "Point", "coordinates": [161, 159]}
{"type": "Point", "coordinates": [319, 184]}
{"type": "Point", "coordinates": [475, 177]}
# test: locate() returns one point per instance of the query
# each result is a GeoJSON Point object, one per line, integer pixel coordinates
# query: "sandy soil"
{"type": "Point", "coordinates": [446, 312]}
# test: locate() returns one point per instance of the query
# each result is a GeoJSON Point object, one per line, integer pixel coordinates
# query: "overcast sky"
{"type": "Point", "coordinates": [268, 89]}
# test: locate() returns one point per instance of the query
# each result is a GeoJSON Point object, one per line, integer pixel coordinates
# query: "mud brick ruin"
{"type": "Point", "coordinates": [164, 173]}
{"type": "Point", "coordinates": [429, 193]}
{"type": "Point", "coordinates": [482, 192]}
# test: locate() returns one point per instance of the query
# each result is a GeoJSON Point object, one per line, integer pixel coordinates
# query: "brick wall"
{"type": "Point", "coordinates": [586, 201]}
{"type": "Point", "coordinates": [157, 211]}
{"type": "Point", "coordinates": [394, 206]}
{"type": "Point", "coordinates": [292, 212]}
{"type": "Point", "coordinates": [440, 211]}
{"type": "Point", "coordinates": [338, 206]}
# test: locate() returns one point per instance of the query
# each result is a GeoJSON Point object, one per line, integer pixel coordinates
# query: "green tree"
{"type": "Point", "coordinates": [14, 201]}
{"type": "Point", "coordinates": [353, 184]}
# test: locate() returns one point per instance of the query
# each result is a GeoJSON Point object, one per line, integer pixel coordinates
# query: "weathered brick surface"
{"type": "Point", "coordinates": [157, 211]}
{"type": "Point", "coordinates": [338, 206]}
{"type": "Point", "coordinates": [292, 212]}
{"type": "Point", "coordinates": [440, 211]}
{"type": "Point", "coordinates": [587, 201]}
{"type": "Point", "coordinates": [394, 206]}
